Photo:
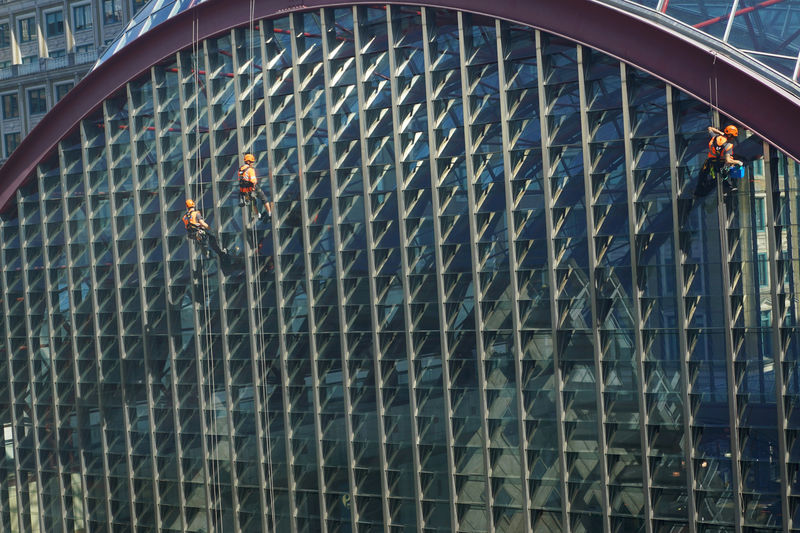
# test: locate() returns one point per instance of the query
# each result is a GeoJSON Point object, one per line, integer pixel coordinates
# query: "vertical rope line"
{"type": "Point", "coordinates": [260, 342]}
{"type": "Point", "coordinates": [252, 60]}
{"type": "Point", "coordinates": [216, 488]}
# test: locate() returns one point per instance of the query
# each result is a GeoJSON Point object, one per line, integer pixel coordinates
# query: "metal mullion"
{"type": "Point", "coordinates": [167, 284]}
{"type": "Point", "coordinates": [401, 210]}
{"type": "Point", "coordinates": [591, 232]}
{"type": "Point", "coordinates": [777, 345]}
{"type": "Point", "coordinates": [792, 236]}
{"type": "Point", "coordinates": [631, 195]}
{"type": "Point", "coordinates": [340, 286]}
{"type": "Point", "coordinates": [312, 344]}
{"type": "Point", "coordinates": [437, 239]}
{"type": "Point", "coordinates": [29, 340]}
{"type": "Point", "coordinates": [226, 354]}
{"type": "Point", "coordinates": [796, 70]}
{"type": "Point", "coordinates": [512, 267]}
{"type": "Point", "coordinates": [96, 327]}
{"type": "Point", "coordinates": [476, 292]}
{"type": "Point", "coordinates": [137, 209]}
{"type": "Point", "coordinates": [5, 508]}
{"type": "Point", "coordinates": [53, 371]}
{"type": "Point", "coordinates": [731, 17]}
{"type": "Point", "coordinates": [118, 314]}
{"type": "Point", "coordinates": [73, 336]}
{"type": "Point", "coordinates": [725, 262]}
{"type": "Point", "coordinates": [255, 349]}
{"type": "Point", "coordinates": [11, 394]}
{"type": "Point", "coordinates": [551, 279]}
{"type": "Point", "coordinates": [290, 488]}
{"type": "Point", "coordinates": [198, 344]}
{"type": "Point", "coordinates": [682, 322]}
{"type": "Point", "coordinates": [5, 345]}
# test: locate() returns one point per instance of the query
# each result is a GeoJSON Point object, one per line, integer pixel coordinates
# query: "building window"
{"type": "Point", "coordinates": [84, 48]}
{"type": "Point", "coordinates": [11, 142]}
{"type": "Point", "coordinates": [10, 106]}
{"type": "Point", "coordinates": [82, 17]}
{"type": "Point", "coordinates": [27, 60]}
{"type": "Point", "coordinates": [54, 23]}
{"type": "Point", "coordinates": [758, 168]}
{"type": "Point", "coordinates": [57, 53]}
{"type": "Point", "coordinates": [138, 4]}
{"type": "Point", "coordinates": [112, 11]}
{"type": "Point", "coordinates": [763, 270]}
{"type": "Point", "coordinates": [27, 29]}
{"type": "Point", "coordinates": [5, 64]}
{"type": "Point", "coordinates": [5, 35]}
{"type": "Point", "coordinates": [62, 89]}
{"type": "Point", "coordinates": [760, 212]}
{"type": "Point", "coordinates": [37, 101]}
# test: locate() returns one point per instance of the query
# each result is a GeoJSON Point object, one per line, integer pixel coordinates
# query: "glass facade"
{"type": "Point", "coordinates": [152, 14]}
{"type": "Point", "coordinates": [486, 301]}
{"type": "Point", "coordinates": [775, 43]}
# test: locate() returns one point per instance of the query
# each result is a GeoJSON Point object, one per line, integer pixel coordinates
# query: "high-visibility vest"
{"type": "Point", "coordinates": [191, 219]}
{"type": "Point", "coordinates": [719, 152]}
{"type": "Point", "coordinates": [247, 178]}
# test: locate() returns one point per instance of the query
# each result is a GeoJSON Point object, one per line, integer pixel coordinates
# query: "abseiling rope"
{"type": "Point", "coordinates": [208, 364]}
{"type": "Point", "coordinates": [260, 342]}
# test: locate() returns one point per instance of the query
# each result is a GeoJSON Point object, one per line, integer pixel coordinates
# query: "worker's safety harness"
{"type": "Point", "coordinates": [193, 227]}
{"type": "Point", "coordinates": [718, 152]}
{"type": "Point", "coordinates": [245, 185]}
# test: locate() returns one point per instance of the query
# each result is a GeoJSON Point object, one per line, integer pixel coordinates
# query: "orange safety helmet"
{"type": "Point", "coordinates": [189, 203]}
{"type": "Point", "coordinates": [249, 158]}
{"type": "Point", "coordinates": [732, 130]}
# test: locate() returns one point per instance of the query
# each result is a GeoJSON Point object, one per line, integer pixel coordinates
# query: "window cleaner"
{"type": "Point", "coordinates": [199, 231]}
{"type": "Point", "coordinates": [249, 189]}
{"type": "Point", "coordinates": [719, 161]}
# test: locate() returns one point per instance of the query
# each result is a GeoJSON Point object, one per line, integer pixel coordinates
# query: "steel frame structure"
{"type": "Point", "coordinates": [483, 236]}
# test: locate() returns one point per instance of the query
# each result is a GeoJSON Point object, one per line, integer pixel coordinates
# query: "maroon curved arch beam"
{"type": "Point", "coordinates": [746, 97]}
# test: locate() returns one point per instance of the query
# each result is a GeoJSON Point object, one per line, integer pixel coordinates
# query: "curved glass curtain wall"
{"type": "Point", "coordinates": [767, 30]}
{"type": "Point", "coordinates": [151, 15]}
{"type": "Point", "coordinates": [486, 300]}
{"type": "Point", "coordinates": [764, 29]}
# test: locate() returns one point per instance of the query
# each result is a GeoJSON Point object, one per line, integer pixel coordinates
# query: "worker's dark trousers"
{"type": "Point", "coordinates": [208, 239]}
{"type": "Point", "coordinates": [704, 182]}
{"type": "Point", "coordinates": [255, 192]}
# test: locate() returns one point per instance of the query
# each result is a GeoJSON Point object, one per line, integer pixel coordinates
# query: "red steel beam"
{"type": "Point", "coordinates": [742, 11]}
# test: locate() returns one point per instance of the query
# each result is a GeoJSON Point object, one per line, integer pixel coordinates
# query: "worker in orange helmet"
{"type": "Point", "coordinates": [248, 186]}
{"type": "Point", "coordinates": [198, 229]}
{"type": "Point", "coordinates": [720, 158]}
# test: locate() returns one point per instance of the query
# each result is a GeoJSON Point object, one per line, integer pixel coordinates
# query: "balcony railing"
{"type": "Point", "coordinates": [49, 64]}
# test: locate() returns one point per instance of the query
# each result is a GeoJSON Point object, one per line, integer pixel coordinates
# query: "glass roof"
{"type": "Point", "coordinates": [151, 15]}
{"type": "Point", "coordinates": [766, 30]}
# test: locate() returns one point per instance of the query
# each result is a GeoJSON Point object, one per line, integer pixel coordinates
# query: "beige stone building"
{"type": "Point", "coordinates": [46, 47]}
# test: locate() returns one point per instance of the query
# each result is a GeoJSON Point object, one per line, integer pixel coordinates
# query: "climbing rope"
{"type": "Point", "coordinates": [207, 354]}
{"type": "Point", "coordinates": [259, 293]}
